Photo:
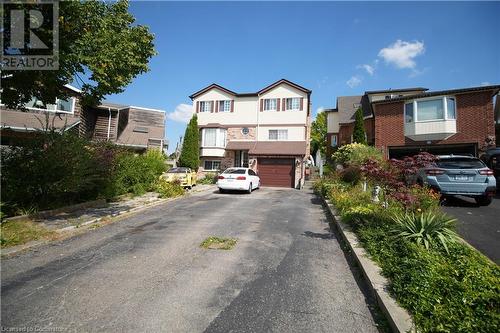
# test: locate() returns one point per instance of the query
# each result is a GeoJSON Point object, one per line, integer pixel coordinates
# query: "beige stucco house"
{"type": "Point", "coordinates": [268, 131]}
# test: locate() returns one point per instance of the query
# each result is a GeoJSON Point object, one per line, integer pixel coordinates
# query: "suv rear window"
{"type": "Point", "coordinates": [236, 171]}
{"type": "Point", "coordinates": [460, 163]}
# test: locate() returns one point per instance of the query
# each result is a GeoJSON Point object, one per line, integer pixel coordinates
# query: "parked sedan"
{"type": "Point", "coordinates": [185, 176]}
{"type": "Point", "coordinates": [243, 179]}
{"type": "Point", "coordinates": [460, 175]}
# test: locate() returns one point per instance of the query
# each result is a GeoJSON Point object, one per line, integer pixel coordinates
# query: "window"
{"type": "Point", "coordinates": [278, 134]}
{"type": "Point", "coordinates": [214, 137]}
{"type": "Point", "coordinates": [61, 105]}
{"type": "Point", "coordinates": [206, 106]}
{"type": "Point", "coordinates": [409, 112]}
{"type": "Point", "coordinates": [270, 104]}
{"type": "Point", "coordinates": [430, 110]}
{"type": "Point", "coordinates": [225, 106]}
{"type": "Point", "coordinates": [212, 165]}
{"type": "Point", "coordinates": [293, 103]}
{"type": "Point", "coordinates": [450, 108]}
{"type": "Point", "coordinates": [334, 141]}
{"type": "Point", "coordinates": [460, 163]}
{"type": "Point", "coordinates": [442, 108]}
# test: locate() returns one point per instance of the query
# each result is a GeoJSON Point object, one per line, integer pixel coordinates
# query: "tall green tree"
{"type": "Point", "coordinates": [359, 134]}
{"type": "Point", "coordinates": [318, 133]}
{"type": "Point", "coordinates": [100, 47]}
{"type": "Point", "coordinates": [190, 154]}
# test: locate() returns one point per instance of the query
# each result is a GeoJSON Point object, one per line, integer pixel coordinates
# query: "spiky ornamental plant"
{"type": "Point", "coordinates": [427, 229]}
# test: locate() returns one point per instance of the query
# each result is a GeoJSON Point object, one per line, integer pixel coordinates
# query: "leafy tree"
{"type": "Point", "coordinates": [190, 154]}
{"type": "Point", "coordinates": [318, 133]}
{"type": "Point", "coordinates": [98, 41]}
{"type": "Point", "coordinates": [358, 134]}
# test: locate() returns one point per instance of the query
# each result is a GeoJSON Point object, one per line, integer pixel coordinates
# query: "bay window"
{"type": "Point", "coordinates": [441, 108]}
{"type": "Point", "coordinates": [213, 137]}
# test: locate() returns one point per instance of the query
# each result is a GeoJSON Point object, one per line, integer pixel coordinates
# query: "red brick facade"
{"type": "Point", "coordinates": [475, 123]}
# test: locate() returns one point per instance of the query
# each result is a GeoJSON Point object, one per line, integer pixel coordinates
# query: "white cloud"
{"type": "Point", "coordinates": [485, 83]}
{"type": "Point", "coordinates": [402, 53]}
{"type": "Point", "coordinates": [354, 81]}
{"type": "Point", "coordinates": [369, 69]}
{"type": "Point", "coordinates": [182, 113]}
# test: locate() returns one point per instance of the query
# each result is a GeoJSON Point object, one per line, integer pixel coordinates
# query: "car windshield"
{"type": "Point", "coordinates": [460, 163]}
{"type": "Point", "coordinates": [235, 171]}
{"type": "Point", "coordinates": [178, 170]}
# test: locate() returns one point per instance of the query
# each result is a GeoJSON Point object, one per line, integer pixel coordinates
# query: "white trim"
{"type": "Point", "coordinates": [73, 105]}
{"type": "Point", "coordinates": [70, 87]}
{"type": "Point", "coordinates": [146, 109]}
{"type": "Point", "coordinates": [443, 98]}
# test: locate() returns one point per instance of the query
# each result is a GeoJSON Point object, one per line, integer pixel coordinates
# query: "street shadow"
{"type": "Point", "coordinates": [318, 235]}
{"type": "Point", "coordinates": [459, 201]}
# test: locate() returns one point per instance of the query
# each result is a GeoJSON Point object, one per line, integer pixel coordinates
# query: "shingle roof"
{"type": "Point", "coordinates": [29, 121]}
{"type": "Point", "coordinates": [396, 90]}
{"type": "Point", "coordinates": [290, 148]}
{"type": "Point", "coordinates": [347, 106]}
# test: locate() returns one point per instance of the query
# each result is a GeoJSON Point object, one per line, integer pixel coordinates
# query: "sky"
{"type": "Point", "coordinates": [333, 48]}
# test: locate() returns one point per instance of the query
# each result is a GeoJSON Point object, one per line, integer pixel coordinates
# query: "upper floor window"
{"type": "Point", "coordinates": [293, 103]}
{"type": "Point", "coordinates": [442, 108]}
{"type": "Point", "coordinates": [225, 106]}
{"type": "Point", "coordinates": [213, 137]}
{"type": "Point", "coordinates": [206, 106]}
{"type": "Point", "coordinates": [270, 104]}
{"type": "Point", "coordinates": [61, 105]}
{"type": "Point", "coordinates": [278, 134]}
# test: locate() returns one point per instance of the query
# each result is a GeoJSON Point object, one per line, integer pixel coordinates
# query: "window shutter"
{"type": "Point", "coordinates": [261, 105]}
{"type": "Point", "coordinates": [197, 107]}
{"type": "Point", "coordinates": [232, 105]}
{"type": "Point", "coordinates": [284, 104]}
{"type": "Point", "coordinates": [301, 103]}
{"type": "Point", "coordinates": [277, 104]}
{"type": "Point", "coordinates": [216, 106]}
{"type": "Point", "coordinates": [212, 108]}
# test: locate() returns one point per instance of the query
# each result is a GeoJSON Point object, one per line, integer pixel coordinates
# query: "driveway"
{"type": "Point", "coordinates": [479, 225]}
{"type": "Point", "coordinates": [287, 272]}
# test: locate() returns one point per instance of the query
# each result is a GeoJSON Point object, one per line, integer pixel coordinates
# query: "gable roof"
{"type": "Point", "coordinates": [494, 88]}
{"type": "Point", "coordinates": [396, 90]}
{"type": "Point", "coordinates": [348, 105]}
{"type": "Point", "coordinates": [269, 87]}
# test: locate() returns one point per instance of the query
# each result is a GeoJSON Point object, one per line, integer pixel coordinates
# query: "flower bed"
{"type": "Point", "coordinates": [445, 285]}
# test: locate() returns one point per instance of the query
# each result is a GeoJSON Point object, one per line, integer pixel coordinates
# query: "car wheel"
{"type": "Point", "coordinates": [221, 190]}
{"type": "Point", "coordinates": [249, 188]}
{"type": "Point", "coordinates": [483, 200]}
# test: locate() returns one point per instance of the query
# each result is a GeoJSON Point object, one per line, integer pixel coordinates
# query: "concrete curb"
{"type": "Point", "coordinates": [399, 319]}
{"type": "Point", "coordinates": [124, 213]}
{"type": "Point", "coordinates": [66, 209]}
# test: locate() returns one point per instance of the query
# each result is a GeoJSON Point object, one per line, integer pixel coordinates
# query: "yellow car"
{"type": "Point", "coordinates": [185, 176]}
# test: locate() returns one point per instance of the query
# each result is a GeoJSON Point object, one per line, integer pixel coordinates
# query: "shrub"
{"type": "Point", "coordinates": [167, 189]}
{"type": "Point", "coordinates": [190, 154]}
{"type": "Point", "coordinates": [359, 134]}
{"type": "Point", "coordinates": [427, 229]}
{"type": "Point", "coordinates": [356, 154]}
{"type": "Point", "coordinates": [210, 178]}
{"type": "Point", "coordinates": [351, 175]}
{"type": "Point", "coordinates": [50, 171]}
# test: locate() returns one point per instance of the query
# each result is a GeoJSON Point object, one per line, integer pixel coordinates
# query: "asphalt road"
{"type": "Point", "coordinates": [287, 272]}
{"type": "Point", "coordinates": [479, 225]}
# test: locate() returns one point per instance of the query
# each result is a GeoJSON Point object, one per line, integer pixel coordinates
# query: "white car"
{"type": "Point", "coordinates": [244, 179]}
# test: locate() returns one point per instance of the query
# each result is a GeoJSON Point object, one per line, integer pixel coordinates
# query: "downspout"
{"type": "Point", "coordinates": [109, 123]}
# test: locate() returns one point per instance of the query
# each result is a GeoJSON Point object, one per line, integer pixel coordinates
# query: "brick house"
{"type": "Point", "coordinates": [407, 121]}
{"type": "Point", "coordinates": [268, 131]}
{"type": "Point", "coordinates": [135, 127]}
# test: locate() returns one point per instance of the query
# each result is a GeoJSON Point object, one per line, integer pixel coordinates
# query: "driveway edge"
{"type": "Point", "coordinates": [122, 214]}
{"type": "Point", "coordinates": [399, 319]}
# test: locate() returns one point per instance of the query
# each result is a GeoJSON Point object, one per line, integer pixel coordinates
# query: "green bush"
{"type": "Point", "coordinates": [50, 171]}
{"type": "Point", "coordinates": [454, 291]}
{"type": "Point", "coordinates": [210, 178]}
{"type": "Point", "coordinates": [167, 189]}
{"type": "Point", "coordinates": [351, 175]}
{"type": "Point", "coordinates": [190, 154]}
{"type": "Point", "coordinates": [356, 154]}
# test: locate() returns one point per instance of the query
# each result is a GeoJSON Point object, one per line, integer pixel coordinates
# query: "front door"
{"type": "Point", "coordinates": [241, 158]}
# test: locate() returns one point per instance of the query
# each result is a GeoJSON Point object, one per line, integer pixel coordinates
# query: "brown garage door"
{"type": "Point", "coordinates": [276, 172]}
